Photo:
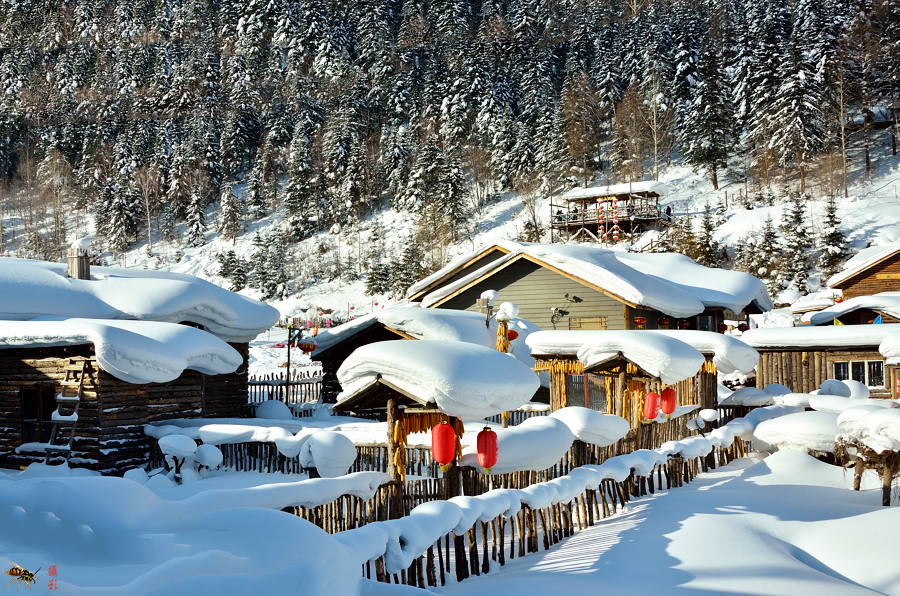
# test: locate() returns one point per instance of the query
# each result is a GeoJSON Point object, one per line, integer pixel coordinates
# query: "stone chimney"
{"type": "Point", "coordinates": [79, 259]}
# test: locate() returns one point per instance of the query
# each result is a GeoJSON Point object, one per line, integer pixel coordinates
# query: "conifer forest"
{"type": "Point", "coordinates": [156, 118]}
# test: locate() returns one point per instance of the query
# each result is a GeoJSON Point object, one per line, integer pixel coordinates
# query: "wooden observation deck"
{"type": "Point", "coordinates": [608, 214]}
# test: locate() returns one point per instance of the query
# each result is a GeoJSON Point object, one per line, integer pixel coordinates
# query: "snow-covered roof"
{"type": "Point", "coordinates": [890, 348]}
{"type": "Point", "coordinates": [816, 300]}
{"type": "Point", "coordinates": [664, 357]}
{"type": "Point", "coordinates": [838, 336]}
{"type": "Point", "coordinates": [668, 282]}
{"type": "Point", "coordinates": [863, 260]}
{"type": "Point", "coordinates": [729, 353]}
{"type": "Point", "coordinates": [459, 378]}
{"type": "Point", "coordinates": [617, 189]}
{"type": "Point", "coordinates": [133, 351]}
{"type": "Point", "coordinates": [885, 302]}
{"type": "Point", "coordinates": [433, 324]}
{"type": "Point", "coordinates": [32, 289]}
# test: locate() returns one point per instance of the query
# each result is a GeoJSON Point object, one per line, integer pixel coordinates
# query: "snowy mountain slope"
{"type": "Point", "coordinates": [869, 216]}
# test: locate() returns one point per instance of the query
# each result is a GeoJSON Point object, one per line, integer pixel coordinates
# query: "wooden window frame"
{"type": "Point", "coordinates": [865, 364]}
{"type": "Point", "coordinates": [43, 422]}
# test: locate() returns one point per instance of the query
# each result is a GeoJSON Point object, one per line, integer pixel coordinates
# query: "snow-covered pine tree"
{"type": "Point", "coordinates": [254, 197]}
{"type": "Point", "coordinates": [834, 244]}
{"type": "Point", "coordinates": [767, 261]}
{"type": "Point", "coordinates": [298, 193]}
{"type": "Point", "coordinates": [798, 243]}
{"type": "Point", "coordinates": [239, 276]}
{"type": "Point", "coordinates": [195, 218]}
{"type": "Point", "coordinates": [227, 263]}
{"type": "Point", "coordinates": [708, 254]}
{"type": "Point", "coordinates": [408, 269]}
{"type": "Point", "coordinates": [230, 213]}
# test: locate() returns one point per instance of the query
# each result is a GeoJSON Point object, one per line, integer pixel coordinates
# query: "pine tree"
{"type": "Point", "coordinates": [708, 253]}
{"type": "Point", "coordinates": [408, 270]}
{"type": "Point", "coordinates": [254, 197]}
{"type": "Point", "coordinates": [196, 218]}
{"type": "Point", "coordinates": [798, 243]}
{"type": "Point", "coordinates": [239, 276]}
{"type": "Point", "coordinates": [769, 258]}
{"type": "Point", "coordinates": [230, 214]}
{"type": "Point", "coordinates": [834, 244]}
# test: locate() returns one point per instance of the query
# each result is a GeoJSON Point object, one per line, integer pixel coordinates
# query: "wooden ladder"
{"type": "Point", "coordinates": [67, 400]}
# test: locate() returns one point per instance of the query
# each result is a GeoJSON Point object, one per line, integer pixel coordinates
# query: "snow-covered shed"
{"type": "Point", "coordinates": [872, 270]}
{"type": "Point", "coordinates": [560, 286]}
{"type": "Point", "coordinates": [862, 310]}
{"type": "Point", "coordinates": [601, 369]}
{"type": "Point", "coordinates": [802, 358]}
{"type": "Point", "coordinates": [335, 345]}
{"type": "Point", "coordinates": [85, 363]}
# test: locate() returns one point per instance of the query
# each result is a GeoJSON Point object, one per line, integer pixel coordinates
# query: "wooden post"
{"type": "Point", "coordinates": [887, 474]}
{"type": "Point", "coordinates": [396, 485]}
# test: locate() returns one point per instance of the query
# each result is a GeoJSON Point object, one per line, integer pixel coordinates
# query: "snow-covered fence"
{"type": "Point", "coordinates": [300, 387]}
{"type": "Point", "coordinates": [522, 414]}
{"type": "Point", "coordinates": [416, 549]}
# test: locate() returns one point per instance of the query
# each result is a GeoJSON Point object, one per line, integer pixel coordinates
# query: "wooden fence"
{"type": "Point", "coordinates": [517, 417]}
{"type": "Point", "coordinates": [504, 537]}
{"type": "Point", "coordinates": [301, 387]}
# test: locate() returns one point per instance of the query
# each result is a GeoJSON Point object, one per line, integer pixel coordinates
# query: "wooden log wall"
{"type": "Point", "coordinates": [225, 395]}
{"type": "Point", "coordinates": [804, 371]}
{"type": "Point", "coordinates": [24, 368]}
{"type": "Point", "coordinates": [867, 283]}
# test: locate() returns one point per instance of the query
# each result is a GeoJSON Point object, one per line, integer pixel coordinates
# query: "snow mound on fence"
{"type": "Point", "coordinates": [536, 444]}
{"type": "Point", "coordinates": [329, 452]}
{"type": "Point", "coordinates": [878, 430]}
{"type": "Point", "coordinates": [835, 403]}
{"type": "Point", "coordinates": [661, 356]}
{"type": "Point", "coordinates": [462, 379]}
{"type": "Point", "coordinates": [803, 431]}
{"type": "Point", "coordinates": [36, 288]}
{"type": "Point", "coordinates": [131, 351]}
{"type": "Point", "coordinates": [593, 427]}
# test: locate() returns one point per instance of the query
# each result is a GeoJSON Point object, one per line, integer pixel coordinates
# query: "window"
{"type": "Point", "coordinates": [38, 404]}
{"type": "Point", "coordinates": [868, 372]}
{"type": "Point", "coordinates": [593, 396]}
{"type": "Point", "coordinates": [589, 323]}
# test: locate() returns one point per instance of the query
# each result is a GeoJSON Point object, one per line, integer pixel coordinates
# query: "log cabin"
{"type": "Point", "coordinates": [588, 288]}
{"type": "Point", "coordinates": [871, 271]}
{"type": "Point", "coordinates": [87, 360]}
{"type": "Point", "coordinates": [335, 345]}
{"type": "Point", "coordinates": [801, 358]}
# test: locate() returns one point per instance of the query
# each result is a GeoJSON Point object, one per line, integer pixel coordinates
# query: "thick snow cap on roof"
{"type": "Point", "coordinates": [837, 336]}
{"type": "Point", "coordinates": [617, 189]}
{"type": "Point", "coordinates": [434, 324]}
{"type": "Point", "coordinates": [729, 353]}
{"type": "Point", "coordinates": [461, 379]}
{"type": "Point", "coordinates": [668, 282]}
{"type": "Point", "coordinates": [32, 289]}
{"type": "Point", "coordinates": [133, 351]}
{"type": "Point", "coordinates": [664, 357]}
{"type": "Point", "coordinates": [890, 348]}
{"type": "Point", "coordinates": [863, 260]}
{"type": "Point", "coordinates": [815, 300]}
{"type": "Point", "coordinates": [885, 302]}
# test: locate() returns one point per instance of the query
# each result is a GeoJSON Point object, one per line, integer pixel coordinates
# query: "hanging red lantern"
{"type": "Point", "coordinates": [307, 344]}
{"type": "Point", "coordinates": [662, 323]}
{"type": "Point", "coordinates": [722, 327]}
{"type": "Point", "coordinates": [651, 406]}
{"type": "Point", "coordinates": [443, 444]}
{"type": "Point", "coordinates": [743, 327]}
{"type": "Point", "coordinates": [640, 322]}
{"type": "Point", "coordinates": [513, 334]}
{"type": "Point", "coordinates": [487, 449]}
{"type": "Point", "coordinates": [352, 308]}
{"type": "Point", "coordinates": [684, 324]}
{"type": "Point", "coordinates": [667, 401]}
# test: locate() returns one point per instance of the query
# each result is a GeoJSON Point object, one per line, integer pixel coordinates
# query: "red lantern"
{"type": "Point", "coordinates": [667, 401]}
{"type": "Point", "coordinates": [352, 308]}
{"type": "Point", "coordinates": [662, 323]}
{"type": "Point", "coordinates": [651, 406]}
{"type": "Point", "coordinates": [307, 344]}
{"type": "Point", "coordinates": [443, 444]}
{"type": "Point", "coordinates": [743, 327]}
{"type": "Point", "coordinates": [513, 334]}
{"type": "Point", "coordinates": [684, 324]}
{"type": "Point", "coordinates": [487, 449]}
{"type": "Point", "coordinates": [722, 327]}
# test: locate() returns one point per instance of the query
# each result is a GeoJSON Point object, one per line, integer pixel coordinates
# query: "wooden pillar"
{"type": "Point", "coordinates": [395, 491]}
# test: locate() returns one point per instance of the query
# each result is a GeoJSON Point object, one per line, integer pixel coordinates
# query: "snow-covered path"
{"type": "Point", "coordinates": [787, 525]}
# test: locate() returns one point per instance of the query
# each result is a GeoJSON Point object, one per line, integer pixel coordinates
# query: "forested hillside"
{"type": "Point", "coordinates": [153, 119]}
